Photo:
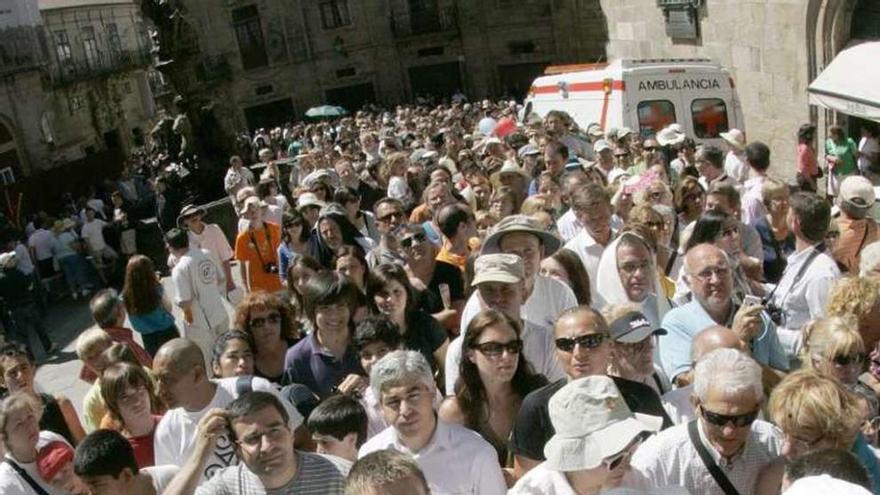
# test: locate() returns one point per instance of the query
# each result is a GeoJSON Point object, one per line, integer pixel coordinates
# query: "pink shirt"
{"type": "Point", "coordinates": [806, 160]}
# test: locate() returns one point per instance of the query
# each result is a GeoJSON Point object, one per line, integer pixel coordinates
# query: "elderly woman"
{"type": "Point", "coordinates": [333, 231]}
{"type": "Point", "coordinates": [776, 238]}
{"type": "Point", "coordinates": [627, 274]}
{"type": "Point", "coordinates": [859, 297]}
{"type": "Point", "coordinates": [271, 322]}
{"type": "Point", "coordinates": [588, 460]}
{"type": "Point", "coordinates": [668, 262]}
{"type": "Point", "coordinates": [833, 347]}
{"type": "Point", "coordinates": [815, 412]}
{"type": "Point", "coordinates": [494, 380]}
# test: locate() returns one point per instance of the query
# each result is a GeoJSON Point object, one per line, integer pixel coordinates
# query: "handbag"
{"type": "Point", "coordinates": [716, 472]}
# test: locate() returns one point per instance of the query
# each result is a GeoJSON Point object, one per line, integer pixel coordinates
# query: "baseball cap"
{"type": "Point", "coordinates": [857, 191]}
{"type": "Point", "coordinates": [632, 327]}
{"type": "Point", "coordinates": [498, 267]}
{"type": "Point", "coordinates": [251, 201]}
{"type": "Point", "coordinates": [528, 150]}
{"type": "Point", "coordinates": [595, 130]}
{"type": "Point", "coordinates": [601, 145]}
{"type": "Point", "coordinates": [308, 199]}
{"type": "Point", "coordinates": [591, 422]}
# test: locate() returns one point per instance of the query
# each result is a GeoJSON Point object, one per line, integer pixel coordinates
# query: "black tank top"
{"type": "Point", "coordinates": [53, 419]}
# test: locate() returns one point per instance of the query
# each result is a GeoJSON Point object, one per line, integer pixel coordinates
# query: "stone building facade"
{"type": "Point", "coordinates": [74, 82]}
{"type": "Point", "coordinates": [774, 49]}
{"type": "Point", "coordinates": [269, 60]}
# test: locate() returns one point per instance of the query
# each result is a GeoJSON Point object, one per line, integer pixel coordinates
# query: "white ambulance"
{"type": "Point", "coordinates": [644, 95]}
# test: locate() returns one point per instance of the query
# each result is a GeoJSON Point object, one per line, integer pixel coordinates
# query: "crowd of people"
{"type": "Point", "coordinates": [464, 300]}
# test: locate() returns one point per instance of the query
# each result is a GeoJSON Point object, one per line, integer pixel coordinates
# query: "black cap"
{"type": "Point", "coordinates": [633, 327]}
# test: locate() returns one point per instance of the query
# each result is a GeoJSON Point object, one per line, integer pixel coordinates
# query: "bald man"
{"type": "Point", "coordinates": [678, 402]}
{"type": "Point", "coordinates": [184, 385]}
{"type": "Point", "coordinates": [708, 273]}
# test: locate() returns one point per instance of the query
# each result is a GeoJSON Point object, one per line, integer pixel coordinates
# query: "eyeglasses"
{"type": "Point", "coordinates": [292, 224]}
{"type": "Point", "coordinates": [274, 434]}
{"type": "Point", "coordinates": [658, 226]}
{"type": "Point", "coordinates": [412, 240]}
{"type": "Point", "coordinates": [801, 446]}
{"type": "Point", "coordinates": [852, 359]}
{"type": "Point", "coordinates": [630, 268]}
{"type": "Point", "coordinates": [739, 421]}
{"type": "Point", "coordinates": [272, 318]}
{"type": "Point", "coordinates": [614, 461]}
{"type": "Point", "coordinates": [131, 396]}
{"type": "Point", "coordinates": [589, 341]}
{"type": "Point", "coordinates": [399, 215]}
{"type": "Point", "coordinates": [495, 349]}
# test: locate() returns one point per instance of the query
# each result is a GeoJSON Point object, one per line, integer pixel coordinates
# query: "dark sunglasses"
{"type": "Point", "coordinates": [295, 223]}
{"type": "Point", "coordinates": [388, 217]}
{"type": "Point", "coordinates": [589, 341]}
{"type": "Point", "coordinates": [273, 318]}
{"type": "Point", "coordinates": [738, 421]}
{"type": "Point", "coordinates": [494, 349]}
{"type": "Point", "coordinates": [614, 461]}
{"type": "Point", "coordinates": [412, 240]}
{"type": "Point", "coordinates": [842, 360]}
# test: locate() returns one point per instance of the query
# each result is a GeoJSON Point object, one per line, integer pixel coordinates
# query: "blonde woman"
{"type": "Point", "coordinates": [833, 347]}
{"type": "Point", "coordinates": [815, 412]}
{"type": "Point", "coordinates": [859, 297]}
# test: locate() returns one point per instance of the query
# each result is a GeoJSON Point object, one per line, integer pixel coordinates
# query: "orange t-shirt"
{"type": "Point", "coordinates": [253, 247]}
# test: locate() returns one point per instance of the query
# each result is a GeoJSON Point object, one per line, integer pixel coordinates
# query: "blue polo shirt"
{"type": "Point", "coordinates": [683, 323]}
{"type": "Point", "coordinates": [310, 365]}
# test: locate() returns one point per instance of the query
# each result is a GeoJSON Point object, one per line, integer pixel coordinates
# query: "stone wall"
{"type": "Point", "coordinates": [763, 44]}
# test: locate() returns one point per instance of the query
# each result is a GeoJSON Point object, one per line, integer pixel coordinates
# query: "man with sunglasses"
{"type": "Point", "coordinates": [390, 216]}
{"type": "Point", "coordinates": [726, 446]}
{"type": "Point", "coordinates": [261, 434]}
{"type": "Point", "coordinates": [443, 282]}
{"type": "Point", "coordinates": [583, 348]}
{"type": "Point", "coordinates": [596, 434]}
{"type": "Point", "coordinates": [708, 274]}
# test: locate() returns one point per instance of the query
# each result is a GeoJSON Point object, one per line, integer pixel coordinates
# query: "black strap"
{"type": "Point", "coordinates": [39, 490]}
{"type": "Point", "coordinates": [716, 472]}
{"type": "Point", "coordinates": [817, 250]}
{"type": "Point", "coordinates": [257, 244]}
{"type": "Point", "coordinates": [243, 385]}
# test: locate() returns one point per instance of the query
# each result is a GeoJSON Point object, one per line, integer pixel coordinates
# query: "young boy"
{"type": "Point", "coordinates": [374, 337]}
{"type": "Point", "coordinates": [339, 427]}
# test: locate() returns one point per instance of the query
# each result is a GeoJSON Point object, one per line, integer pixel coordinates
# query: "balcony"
{"type": "Point", "coordinates": [107, 64]}
{"type": "Point", "coordinates": [407, 24]}
{"type": "Point", "coordinates": [20, 49]}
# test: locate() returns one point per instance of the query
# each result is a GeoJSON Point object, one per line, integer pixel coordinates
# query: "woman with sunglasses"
{"type": "Point", "coordinates": [391, 293]}
{"type": "Point", "coordinates": [294, 241]}
{"type": "Point", "coordinates": [133, 407]}
{"type": "Point", "coordinates": [494, 380]}
{"type": "Point", "coordinates": [690, 200]}
{"type": "Point", "coordinates": [17, 369]}
{"type": "Point", "coordinates": [833, 347]}
{"type": "Point", "coordinates": [814, 413]}
{"type": "Point", "coordinates": [596, 435]}
{"type": "Point", "coordinates": [270, 321]}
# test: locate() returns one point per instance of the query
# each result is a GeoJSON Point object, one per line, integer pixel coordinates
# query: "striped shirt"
{"type": "Point", "coordinates": [315, 475]}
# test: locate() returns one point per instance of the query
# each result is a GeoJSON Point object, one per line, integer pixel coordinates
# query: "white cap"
{"type": "Point", "coordinates": [857, 191]}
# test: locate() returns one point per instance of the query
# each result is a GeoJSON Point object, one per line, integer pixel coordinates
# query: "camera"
{"type": "Point", "coordinates": [270, 268]}
{"type": "Point", "coordinates": [775, 313]}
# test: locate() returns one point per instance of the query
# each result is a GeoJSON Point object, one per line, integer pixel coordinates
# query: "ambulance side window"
{"type": "Point", "coordinates": [710, 117]}
{"type": "Point", "coordinates": [654, 115]}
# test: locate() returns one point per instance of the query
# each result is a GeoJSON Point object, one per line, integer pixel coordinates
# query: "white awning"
{"type": "Point", "coordinates": [851, 82]}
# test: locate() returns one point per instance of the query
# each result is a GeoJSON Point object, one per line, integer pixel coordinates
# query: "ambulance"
{"type": "Point", "coordinates": [644, 95]}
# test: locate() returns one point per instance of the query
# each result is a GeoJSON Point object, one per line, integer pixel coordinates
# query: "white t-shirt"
{"type": "Point", "coordinates": [215, 242]}
{"type": "Point", "coordinates": [175, 435]}
{"type": "Point", "coordinates": [867, 146]}
{"type": "Point", "coordinates": [195, 280]}
{"type": "Point", "coordinates": [736, 167]}
{"type": "Point", "coordinates": [23, 259]}
{"type": "Point", "coordinates": [42, 240]}
{"type": "Point", "coordinates": [161, 476]}
{"type": "Point", "coordinates": [93, 233]}
{"type": "Point", "coordinates": [11, 483]}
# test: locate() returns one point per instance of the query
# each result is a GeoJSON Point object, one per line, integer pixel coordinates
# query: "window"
{"type": "Point", "coordinates": [7, 176]}
{"type": "Point", "coordinates": [62, 47]}
{"type": "Point", "coordinates": [334, 14]}
{"type": "Point", "coordinates": [75, 103]}
{"type": "Point", "coordinates": [655, 115]}
{"type": "Point", "coordinates": [249, 33]}
{"type": "Point", "coordinates": [710, 117]}
{"type": "Point", "coordinates": [90, 47]}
